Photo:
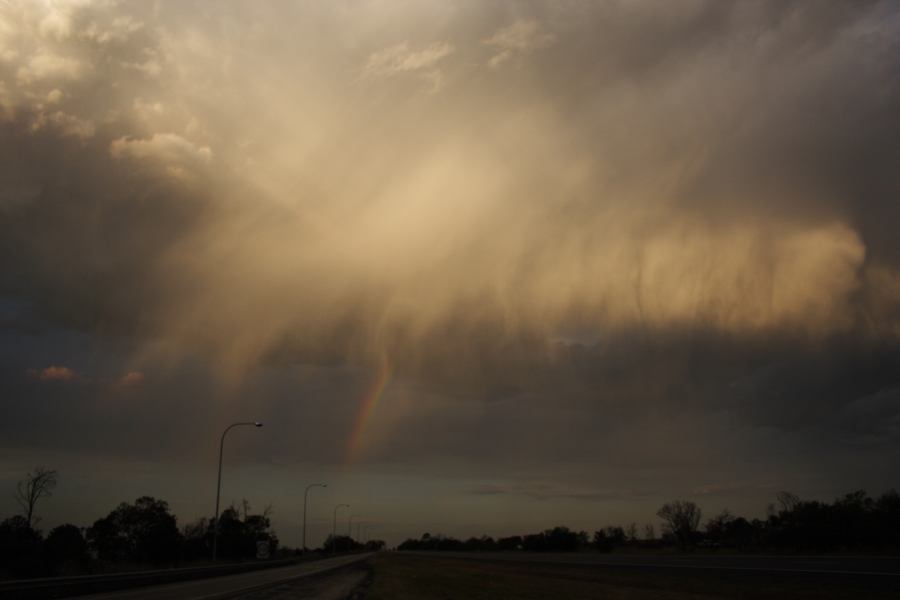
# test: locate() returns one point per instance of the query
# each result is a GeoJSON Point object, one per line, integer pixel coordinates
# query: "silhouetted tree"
{"type": "Point", "coordinates": [717, 527]}
{"type": "Point", "coordinates": [197, 538]}
{"type": "Point", "coordinates": [484, 543]}
{"type": "Point", "coordinates": [682, 518]}
{"type": "Point", "coordinates": [36, 485]}
{"type": "Point", "coordinates": [238, 536]}
{"type": "Point", "coordinates": [444, 542]}
{"type": "Point", "coordinates": [608, 538]}
{"type": "Point", "coordinates": [887, 509]}
{"type": "Point", "coordinates": [409, 544]}
{"type": "Point", "coordinates": [600, 542]}
{"type": "Point", "coordinates": [558, 539]}
{"type": "Point", "coordinates": [741, 533]}
{"type": "Point", "coordinates": [510, 543]}
{"type": "Point", "coordinates": [143, 531]}
{"type": "Point", "coordinates": [432, 542]}
{"type": "Point", "coordinates": [374, 546]}
{"type": "Point", "coordinates": [342, 543]}
{"type": "Point", "coordinates": [20, 547]}
{"type": "Point", "coordinates": [65, 550]}
{"type": "Point", "coordinates": [787, 500]}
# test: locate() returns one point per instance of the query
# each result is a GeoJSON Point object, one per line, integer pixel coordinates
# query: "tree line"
{"type": "Point", "coordinates": [854, 522]}
{"type": "Point", "coordinates": [132, 535]}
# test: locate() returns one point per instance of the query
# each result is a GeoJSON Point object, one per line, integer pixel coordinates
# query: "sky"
{"type": "Point", "coordinates": [480, 267]}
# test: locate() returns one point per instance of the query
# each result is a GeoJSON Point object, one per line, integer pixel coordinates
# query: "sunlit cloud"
{"type": "Point", "coordinates": [519, 38]}
{"type": "Point", "coordinates": [400, 59]}
{"type": "Point", "coordinates": [131, 379]}
{"type": "Point", "coordinates": [50, 66]}
{"type": "Point", "coordinates": [569, 228]}
{"type": "Point", "coordinates": [56, 373]}
{"type": "Point", "coordinates": [166, 147]}
{"type": "Point", "coordinates": [66, 124]}
{"type": "Point", "coordinates": [388, 226]}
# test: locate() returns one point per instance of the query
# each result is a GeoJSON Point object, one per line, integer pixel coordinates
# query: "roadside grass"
{"type": "Point", "coordinates": [404, 577]}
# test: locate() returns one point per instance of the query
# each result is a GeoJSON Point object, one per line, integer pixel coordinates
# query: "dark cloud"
{"type": "Point", "coordinates": [637, 247]}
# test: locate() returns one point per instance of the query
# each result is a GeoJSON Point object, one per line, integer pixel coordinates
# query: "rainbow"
{"type": "Point", "coordinates": [367, 409]}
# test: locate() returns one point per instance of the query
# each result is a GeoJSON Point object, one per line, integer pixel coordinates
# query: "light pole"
{"type": "Point", "coordinates": [334, 528]}
{"type": "Point", "coordinates": [219, 481]}
{"type": "Point", "coordinates": [350, 533]}
{"type": "Point", "coordinates": [305, 498]}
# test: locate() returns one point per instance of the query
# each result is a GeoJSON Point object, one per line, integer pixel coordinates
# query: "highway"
{"type": "Point", "coordinates": [228, 586]}
{"type": "Point", "coordinates": [863, 566]}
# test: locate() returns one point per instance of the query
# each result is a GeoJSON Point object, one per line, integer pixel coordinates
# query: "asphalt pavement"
{"type": "Point", "coordinates": [229, 586]}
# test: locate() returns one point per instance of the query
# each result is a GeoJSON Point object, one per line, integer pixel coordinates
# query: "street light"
{"type": "Point", "coordinates": [219, 482]}
{"type": "Point", "coordinates": [350, 533]}
{"type": "Point", "coordinates": [305, 498]}
{"type": "Point", "coordinates": [334, 528]}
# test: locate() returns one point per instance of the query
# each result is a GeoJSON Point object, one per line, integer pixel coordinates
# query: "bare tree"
{"type": "Point", "coordinates": [718, 527]}
{"type": "Point", "coordinates": [787, 500]}
{"type": "Point", "coordinates": [649, 532]}
{"type": "Point", "coordinates": [682, 518]}
{"type": "Point", "coordinates": [36, 485]}
{"type": "Point", "coordinates": [632, 532]}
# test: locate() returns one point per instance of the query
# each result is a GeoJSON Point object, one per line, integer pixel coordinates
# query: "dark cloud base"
{"type": "Point", "coordinates": [557, 240]}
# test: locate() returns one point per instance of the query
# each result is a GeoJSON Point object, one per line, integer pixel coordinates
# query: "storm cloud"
{"type": "Point", "coordinates": [656, 236]}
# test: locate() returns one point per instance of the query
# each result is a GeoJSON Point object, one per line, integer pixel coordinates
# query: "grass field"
{"type": "Point", "coordinates": [404, 577]}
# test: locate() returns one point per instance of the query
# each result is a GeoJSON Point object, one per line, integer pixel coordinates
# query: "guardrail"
{"type": "Point", "coordinates": [62, 587]}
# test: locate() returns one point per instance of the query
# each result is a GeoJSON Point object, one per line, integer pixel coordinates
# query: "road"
{"type": "Point", "coordinates": [863, 566]}
{"type": "Point", "coordinates": [228, 586]}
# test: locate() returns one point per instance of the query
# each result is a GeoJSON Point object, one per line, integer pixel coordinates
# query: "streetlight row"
{"type": "Point", "coordinates": [305, 498]}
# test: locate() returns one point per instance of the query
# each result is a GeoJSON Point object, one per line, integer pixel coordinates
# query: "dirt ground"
{"type": "Point", "coordinates": [399, 577]}
{"type": "Point", "coordinates": [395, 576]}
